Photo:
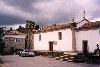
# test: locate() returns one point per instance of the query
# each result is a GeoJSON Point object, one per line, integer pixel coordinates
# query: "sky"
{"type": "Point", "coordinates": [45, 12]}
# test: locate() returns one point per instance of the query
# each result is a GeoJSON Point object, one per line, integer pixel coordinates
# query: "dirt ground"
{"type": "Point", "coordinates": [39, 61]}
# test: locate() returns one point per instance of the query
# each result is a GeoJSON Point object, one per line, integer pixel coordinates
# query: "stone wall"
{"type": "Point", "coordinates": [12, 43]}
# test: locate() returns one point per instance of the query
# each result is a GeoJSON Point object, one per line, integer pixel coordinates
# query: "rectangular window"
{"type": "Point", "coordinates": [99, 32]}
{"type": "Point", "coordinates": [39, 37]}
{"type": "Point", "coordinates": [60, 35]}
{"type": "Point", "coordinates": [15, 40]}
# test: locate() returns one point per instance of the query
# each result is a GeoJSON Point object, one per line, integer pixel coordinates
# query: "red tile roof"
{"type": "Point", "coordinates": [12, 32]}
{"type": "Point", "coordinates": [83, 20]}
{"type": "Point", "coordinates": [90, 25]}
{"type": "Point", "coordinates": [55, 27]}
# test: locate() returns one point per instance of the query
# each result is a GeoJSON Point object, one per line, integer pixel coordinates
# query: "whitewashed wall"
{"type": "Point", "coordinates": [62, 45]}
{"type": "Point", "coordinates": [93, 37]}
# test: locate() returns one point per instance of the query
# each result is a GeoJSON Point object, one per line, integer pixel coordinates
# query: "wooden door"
{"type": "Point", "coordinates": [85, 46]}
{"type": "Point", "coordinates": [50, 46]}
{"type": "Point", "coordinates": [12, 50]}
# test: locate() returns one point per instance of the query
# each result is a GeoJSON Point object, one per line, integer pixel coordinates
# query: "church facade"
{"type": "Point", "coordinates": [65, 37]}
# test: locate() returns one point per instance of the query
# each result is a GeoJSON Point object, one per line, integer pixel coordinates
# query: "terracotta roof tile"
{"type": "Point", "coordinates": [55, 27]}
{"type": "Point", "coordinates": [12, 32]}
{"type": "Point", "coordinates": [90, 25]}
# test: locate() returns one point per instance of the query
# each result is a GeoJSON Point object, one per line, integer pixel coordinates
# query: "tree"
{"type": "Point", "coordinates": [21, 29]}
{"type": "Point", "coordinates": [74, 24]}
{"type": "Point", "coordinates": [1, 32]}
{"type": "Point", "coordinates": [11, 29]}
{"type": "Point", "coordinates": [1, 40]}
{"type": "Point", "coordinates": [37, 27]}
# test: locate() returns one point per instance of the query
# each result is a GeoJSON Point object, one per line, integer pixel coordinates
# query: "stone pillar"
{"type": "Point", "coordinates": [73, 40]}
{"type": "Point", "coordinates": [30, 35]}
{"type": "Point", "coordinates": [29, 41]}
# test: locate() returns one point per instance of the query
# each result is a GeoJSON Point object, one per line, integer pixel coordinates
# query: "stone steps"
{"type": "Point", "coordinates": [63, 58]}
{"type": "Point", "coordinates": [69, 58]}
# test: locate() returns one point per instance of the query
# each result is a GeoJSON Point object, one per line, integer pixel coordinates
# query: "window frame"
{"type": "Point", "coordinates": [15, 40]}
{"type": "Point", "coordinates": [40, 37]}
{"type": "Point", "coordinates": [60, 35]}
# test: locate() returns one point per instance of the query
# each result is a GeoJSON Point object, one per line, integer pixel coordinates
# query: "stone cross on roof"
{"type": "Point", "coordinates": [84, 15]}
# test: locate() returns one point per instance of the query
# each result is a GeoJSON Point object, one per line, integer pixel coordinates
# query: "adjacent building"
{"type": "Point", "coordinates": [14, 41]}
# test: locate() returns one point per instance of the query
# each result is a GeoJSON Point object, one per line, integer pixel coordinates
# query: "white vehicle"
{"type": "Point", "coordinates": [26, 53]}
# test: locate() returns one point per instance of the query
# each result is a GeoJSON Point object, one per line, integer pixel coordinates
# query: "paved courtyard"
{"type": "Point", "coordinates": [38, 61]}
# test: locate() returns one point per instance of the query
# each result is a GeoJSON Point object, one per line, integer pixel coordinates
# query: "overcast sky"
{"type": "Point", "coordinates": [45, 12]}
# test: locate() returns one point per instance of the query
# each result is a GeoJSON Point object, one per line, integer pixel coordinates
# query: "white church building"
{"type": "Point", "coordinates": [65, 37]}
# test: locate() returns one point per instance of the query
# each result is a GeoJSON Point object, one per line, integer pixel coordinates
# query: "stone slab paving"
{"type": "Point", "coordinates": [38, 61]}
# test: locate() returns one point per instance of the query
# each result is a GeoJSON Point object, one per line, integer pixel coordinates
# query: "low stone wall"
{"type": "Point", "coordinates": [49, 53]}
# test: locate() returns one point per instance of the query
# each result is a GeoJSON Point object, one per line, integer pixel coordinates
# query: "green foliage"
{"type": "Point", "coordinates": [1, 32]}
{"type": "Point", "coordinates": [74, 24]}
{"type": "Point", "coordinates": [1, 46]}
{"type": "Point", "coordinates": [37, 27]}
{"type": "Point", "coordinates": [21, 29]}
{"type": "Point", "coordinates": [11, 29]}
{"type": "Point", "coordinates": [1, 41]}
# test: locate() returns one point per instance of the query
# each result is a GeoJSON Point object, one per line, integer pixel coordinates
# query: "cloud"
{"type": "Point", "coordinates": [21, 4]}
{"type": "Point", "coordinates": [59, 11]}
{"type": "Point", "coordinates": [13, 11]}
{"type": "Point", "coordinates": [46, 12]}
{"type": "Point", "coordinates": [10, 20]}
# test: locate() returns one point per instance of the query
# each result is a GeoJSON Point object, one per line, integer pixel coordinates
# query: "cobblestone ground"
{"type": "Point", "coordinates": [38, 61]}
